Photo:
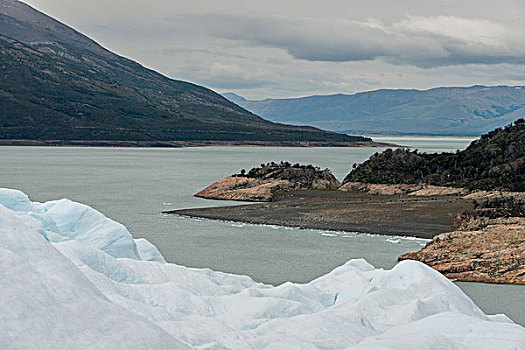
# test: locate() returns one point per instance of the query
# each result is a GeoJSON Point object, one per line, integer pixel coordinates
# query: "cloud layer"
{"type": "Point", "coordinates": [421, 41]}
{"type": "Point", "coordinates": [292, 48]}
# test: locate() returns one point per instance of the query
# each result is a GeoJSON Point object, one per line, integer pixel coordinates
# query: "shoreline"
{"type": "Point", "coordinates": [182, 144]}
{"type": "Point", "coordinates": [321, 230]}
{"type": "Point", "coordinates": [331, 210]}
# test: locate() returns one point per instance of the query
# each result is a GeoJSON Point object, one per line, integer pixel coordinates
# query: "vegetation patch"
{"type": "Point", "coordinates": [496, 161]}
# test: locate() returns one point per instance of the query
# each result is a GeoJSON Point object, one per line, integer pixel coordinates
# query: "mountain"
{"type": "Point", "coordinates": [234, 97]}
{"type": "Point", "coordinates": [496, 161]}
{"type": "Point", "coordinates": [58, 84]}
{"type": "Point", "coordinates": [469, 111]}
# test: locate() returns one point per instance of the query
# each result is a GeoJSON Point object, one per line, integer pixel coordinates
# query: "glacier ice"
{"type": "Point", "coordinates": [73, 279]}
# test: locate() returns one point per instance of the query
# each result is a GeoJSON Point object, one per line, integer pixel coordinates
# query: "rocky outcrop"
{"type": "Point", "coordinates": [430, 190]}
{"type": "Point", "coordinates": [480, 250]}
{"type": "Point", "coordinates": [240, 189]}
{"type": "Point", "coordinates": [397, 189]}
{"type": "Point", "coordinates": [484, 195]}
{"type": "Point", "coordinates": [264, 183]}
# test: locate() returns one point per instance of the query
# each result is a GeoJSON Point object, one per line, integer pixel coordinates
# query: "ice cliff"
{"type": "Point", "coordinates": [70, 278]}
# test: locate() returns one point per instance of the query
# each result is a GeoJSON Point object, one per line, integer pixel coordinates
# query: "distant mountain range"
{"type": "Point", "coordinates": [57, 84]}
{"type": "Point", "coordinates": [463, 111]}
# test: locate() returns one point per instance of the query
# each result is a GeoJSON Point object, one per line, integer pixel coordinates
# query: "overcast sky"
{"type": "Point", "coordinates": [291, 48]}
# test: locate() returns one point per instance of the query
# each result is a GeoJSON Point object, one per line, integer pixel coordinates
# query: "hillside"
{"type": "Point", "coordinates": [493, 162]}
{"type": "Point", "coordinates": [470, 111]}
{"type": "Point", "coordinates": [58, 84]}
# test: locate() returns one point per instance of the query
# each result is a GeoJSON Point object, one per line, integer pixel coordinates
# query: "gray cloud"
{"type": "Point", "coordinates": [420, 41]}
{"type": "Point", "coordinates": [227, 75]}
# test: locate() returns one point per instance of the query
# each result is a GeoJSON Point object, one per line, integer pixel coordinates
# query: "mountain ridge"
{"type": "Point", "coordinates": [440, 111]}
{"type": "Point", "coordinates": [59, 84]}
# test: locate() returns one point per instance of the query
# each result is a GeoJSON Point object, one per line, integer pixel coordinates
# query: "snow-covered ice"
{"type": "Point", "coordinates": [70, 278]}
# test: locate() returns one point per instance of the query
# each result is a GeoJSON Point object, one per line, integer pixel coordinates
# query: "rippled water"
{"type": "Point", "coordinates": [133, 186]}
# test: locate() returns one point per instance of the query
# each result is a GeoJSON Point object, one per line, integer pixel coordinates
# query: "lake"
{"type": "Point", "coordinates": [134, 185]}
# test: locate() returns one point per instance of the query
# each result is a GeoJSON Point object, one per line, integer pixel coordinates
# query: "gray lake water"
{"type": "Point", "coordinates": [133, 186]}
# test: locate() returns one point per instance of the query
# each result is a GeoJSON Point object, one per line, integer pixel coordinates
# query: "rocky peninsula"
{"type": "Point", "coordinates": [470, 203]}
{"type": "Point", "coordinates": [264, 183]}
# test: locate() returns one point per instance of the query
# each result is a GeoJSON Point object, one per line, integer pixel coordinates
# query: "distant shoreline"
{"type": "Point", "coordinates": [424, 137]}
{"type": "Point", "coordinates": [182, 144]}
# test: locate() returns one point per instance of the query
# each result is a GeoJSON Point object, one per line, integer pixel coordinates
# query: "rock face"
{"type": "Point", "coordinates": [480, 250]}
{"type": "Point", "coordinates": [264, 183]}
{"type": "Point", "coordinates": [408, 189]}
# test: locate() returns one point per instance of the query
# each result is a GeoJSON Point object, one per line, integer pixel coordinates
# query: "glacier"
{"type": "Point", "coordinates": [72, 278]}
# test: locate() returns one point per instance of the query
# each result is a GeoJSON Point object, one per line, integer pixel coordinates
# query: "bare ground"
{"type": "Point", "coordinates": [422, 217]}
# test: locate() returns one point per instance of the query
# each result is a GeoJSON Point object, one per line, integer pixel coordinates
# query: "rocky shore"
{"type": "Point", "coordinates": [403, 192]}
{"type": "Point", "coordinates": [481, 249]}
{"type": "Point", "coordinates": [481, 245]}
{"type": "Point", "coordinates": [484, 244]}
{"type": "Point", "coordinates": [270, 181]}
{"type": "Point", "coordinates": [421, 190]}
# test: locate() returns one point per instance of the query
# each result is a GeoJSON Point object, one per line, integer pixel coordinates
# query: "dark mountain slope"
{"type": "Point", "coordinates": [442, 111]}
{"type": "Point", "coordinates": [57, 84]}
{"type": "Point", "coordinates": [495, 161]}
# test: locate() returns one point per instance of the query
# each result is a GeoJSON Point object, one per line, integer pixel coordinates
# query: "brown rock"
{"type": "Point", "coordinates": [429, 190]}
{"type": "Point", "coordinates": [483, 250]}
{"type": "Point", "coordinates": [240, 189]}
{"type": "Point", "coordinates": [396, 189]}
{"type": "Point", "coordinates": [263, 184]}
{"type": "Point", "coordinates": [379, 189]}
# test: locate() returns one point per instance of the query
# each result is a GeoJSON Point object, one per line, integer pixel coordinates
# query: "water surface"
{"type": "Point", "coordinates": [428, 143]}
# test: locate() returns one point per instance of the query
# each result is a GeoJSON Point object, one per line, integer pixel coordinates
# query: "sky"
{"type": "Point", "coordinates": [293, 48]}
